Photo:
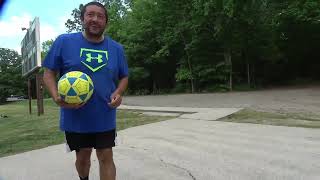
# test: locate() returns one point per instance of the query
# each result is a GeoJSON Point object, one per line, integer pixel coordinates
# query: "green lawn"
{"type": "Point", "coordinates": [20, 132]}
{"type": "Point", "coordinates": [277, 119]}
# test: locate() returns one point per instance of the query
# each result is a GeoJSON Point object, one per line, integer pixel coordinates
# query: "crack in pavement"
{"type": "Point", "coordinates": [176, 166]}
{"type": "Point", "coordinates": [170, 164]}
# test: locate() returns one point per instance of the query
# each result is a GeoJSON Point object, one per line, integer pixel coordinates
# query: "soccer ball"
{"type": "Point", "coordinates": [75, 87]}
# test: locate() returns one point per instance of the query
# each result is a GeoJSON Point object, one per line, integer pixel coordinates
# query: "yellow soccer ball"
{"type": "Point", "coordinates": [75, 87]}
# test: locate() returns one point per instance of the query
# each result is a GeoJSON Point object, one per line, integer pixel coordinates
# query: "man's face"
{"type": "Point", "coordinates": [94, 20]}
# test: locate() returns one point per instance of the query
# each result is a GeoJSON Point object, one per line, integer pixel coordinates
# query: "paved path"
{"type": "Point", "coordinates": [193, 146]}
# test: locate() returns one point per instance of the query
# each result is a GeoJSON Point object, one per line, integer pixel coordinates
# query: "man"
{"type": "Point", "coordinates": [93, 124]}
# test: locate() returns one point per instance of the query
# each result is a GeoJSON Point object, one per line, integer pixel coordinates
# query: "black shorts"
{"type": "Point", "coordinates": [100, 140]}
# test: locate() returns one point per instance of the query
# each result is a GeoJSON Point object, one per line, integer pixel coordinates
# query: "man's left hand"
{"type": "Point", "coordinates": [116, 100]}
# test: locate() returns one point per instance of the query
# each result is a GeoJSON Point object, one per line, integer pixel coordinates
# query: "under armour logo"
{"type": "Point", "coordinates": [93, 59]}
{"type": "Point", "coordinates": [89, 58]}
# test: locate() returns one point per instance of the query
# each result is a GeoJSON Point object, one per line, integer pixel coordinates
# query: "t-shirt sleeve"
{"type": "Point", "coordinates": [53, 59]}
{"type": "Point", "coordinates": [123, 65]}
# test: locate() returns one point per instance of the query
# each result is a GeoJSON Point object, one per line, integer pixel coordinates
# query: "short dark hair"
{"type": "Point", "coordinates": [95, 3]}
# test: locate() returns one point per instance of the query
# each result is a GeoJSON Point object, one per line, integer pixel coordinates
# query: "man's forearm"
{"type": "Point", "coordinates": [122, 86]}
{"type": "Point", "coordinates": [49, 79]}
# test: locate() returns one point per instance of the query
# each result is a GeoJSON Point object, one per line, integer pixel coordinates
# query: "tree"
{"type": "Point", "coordinates": [46, 45]}
{"type": "Point", "coordinates": [298, 25]}
{"type": "Point", "coordinates": [74, 24]}
{"type": "Point", "coordinates": [204, 45]}
{"type": "Point", "coordinates": [11, 80]}
{"type": "Point", "coordinates": [116, 9]}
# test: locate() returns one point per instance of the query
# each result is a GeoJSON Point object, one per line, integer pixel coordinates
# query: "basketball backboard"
{"type": "Point", "coordinates": [30, 49]}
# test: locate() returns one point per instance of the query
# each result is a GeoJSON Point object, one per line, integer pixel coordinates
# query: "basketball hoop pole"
{"type": "Point", "coordinates": [39, 91]}
{"type": "Point", "coordinates": [29, 94]}
{"type": "Point", "coordinates": [39, 86]}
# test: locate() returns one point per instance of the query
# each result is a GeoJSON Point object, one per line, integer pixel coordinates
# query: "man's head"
{"type": "Point", "coordinates": [94, 18]}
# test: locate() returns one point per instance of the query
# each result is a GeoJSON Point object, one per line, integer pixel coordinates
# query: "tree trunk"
{"type": "Point", "coordinates": [230, 77]}
{"type": "Point", "coordinates": [248, 74]}
{"type": "Point", "coordinates": [244, 55]}
{"type": "Point", "coordinates": [154, 87]}
{"type": "Point", "coordinates": [253, 79]}
{"type": "Point", "coordinates": [227, 57]}
{"type": "Point", "coordinates": [189, 63]}
{"type": "Point", "coordinates": [246, 58]}
{"type": "Point", "coordinates": [190, 69]}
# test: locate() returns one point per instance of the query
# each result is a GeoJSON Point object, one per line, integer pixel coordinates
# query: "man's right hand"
{"type": "Point", "coordinates": [58, 100]}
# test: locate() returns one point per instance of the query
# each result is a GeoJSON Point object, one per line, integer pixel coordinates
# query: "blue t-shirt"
{"type": "Point", "coordinates": [105, 63]}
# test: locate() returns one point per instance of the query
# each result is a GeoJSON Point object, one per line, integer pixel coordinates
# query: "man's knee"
{"type": "Point", "coordinates": [105, 156]}
{"type": "Point", "coordinates": [84, 157]}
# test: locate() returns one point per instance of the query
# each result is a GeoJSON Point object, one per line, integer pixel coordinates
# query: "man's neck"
{"type": "Point", "coordinates": [93, 39]}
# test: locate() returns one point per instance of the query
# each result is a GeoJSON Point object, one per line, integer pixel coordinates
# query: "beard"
{"type": "Point", "coordinates": [94, 30]}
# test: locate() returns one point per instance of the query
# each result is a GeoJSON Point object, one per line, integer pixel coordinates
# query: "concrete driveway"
{"type": "Point", "coordinates": [193, 146]}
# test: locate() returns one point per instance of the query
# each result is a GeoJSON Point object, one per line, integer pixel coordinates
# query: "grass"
{"type": "Point", "coordinates": [277, 119]}
{"type": "Point", "coordinates": [21, 132]}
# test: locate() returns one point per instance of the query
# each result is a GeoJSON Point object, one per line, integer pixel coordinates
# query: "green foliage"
{"type": "Point", "coordinates": [11, 80]}
{"type": "Point", "coordinates": [46, 45]}
{"type": "Point", "coordinates": [199, 45]}
{"type": "Point", "coordinates": [138, 73]}
{"type": "Point", "coordinates": [298, 25]}
{"type": "Point", "coordinates": [183, 74]}
{"type": "Point", "coordinates": [74, 24]}
{"type": "Point", "coordinates": [215, 73]}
